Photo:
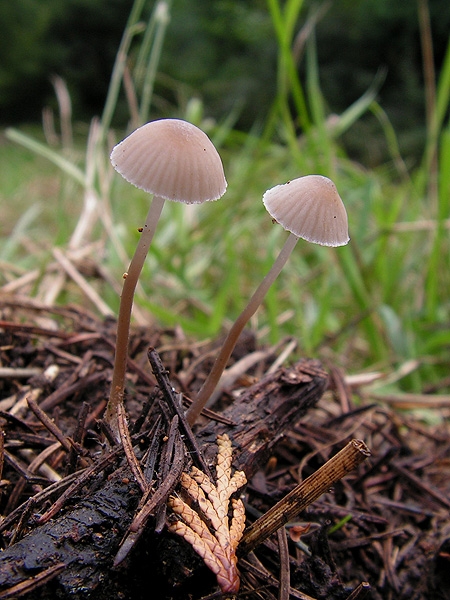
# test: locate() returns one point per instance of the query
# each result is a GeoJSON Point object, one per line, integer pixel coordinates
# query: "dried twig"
{"type": "Point", "coordinates": [304, 494]}
{"type": "Point", "coordinates": [78, 438]}
{"type": "Point", "coordinates": [82, 283]}
{"type": "Point", "coordinates": [360, 591]}
{"type": "Point", "coordinates": [166, 465]}
{"type": "Point", "coordinates": [418, 483]}
{"type": "Point", "coordinates": [154, 500]}
{"type": "Point", "coordinates": [171, 398]}
{"type": "Point", "coordinates": [284, 589]}
{"type": "Point", "coordinates": [50, 425]}
{"type": "Point", "coordinates": [127, 444]}
{"type": "Point", "coordinates": [24, 587]}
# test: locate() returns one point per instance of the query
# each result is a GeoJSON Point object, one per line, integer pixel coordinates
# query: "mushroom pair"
{"type": "Point", "coordinates": [175, 160]}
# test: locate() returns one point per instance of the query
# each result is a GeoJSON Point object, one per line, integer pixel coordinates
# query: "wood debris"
{"type": "Point", "coordinates": [67, 502]}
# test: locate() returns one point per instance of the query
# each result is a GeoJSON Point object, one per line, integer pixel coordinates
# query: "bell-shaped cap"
{"type": "Point", "coordinates": [311, 208]}
{"type": "Point", "coordinates": [172, 159]}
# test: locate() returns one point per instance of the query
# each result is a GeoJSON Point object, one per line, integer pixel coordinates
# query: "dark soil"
{"type": "Point", "coordinates": [381, 532]}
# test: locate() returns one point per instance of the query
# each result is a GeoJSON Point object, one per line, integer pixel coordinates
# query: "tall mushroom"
{"type": "Point", "coordinates": [173, 160]}
{"type": "Point", "coordinates": [308, 207]}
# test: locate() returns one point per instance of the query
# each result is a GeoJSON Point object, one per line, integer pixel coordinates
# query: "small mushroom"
{"type": "Point", "coordinates": [308, 207]}
{"type": "Point", "coordinates": [174, 160]}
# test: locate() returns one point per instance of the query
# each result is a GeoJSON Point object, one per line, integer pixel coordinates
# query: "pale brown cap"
{"type": "Point", "coordinates": [311, 208]}
{"type": "Point", "coordinates": [173, 159]}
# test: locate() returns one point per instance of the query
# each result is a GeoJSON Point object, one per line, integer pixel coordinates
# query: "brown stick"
{"type": "Point", "coordinates": [353, 454]}
{"type": "Point", "coordinates": [283, 549]}
{"type": "Point", "coordinates": [49, 424]}
{"type": "Point", "coordinates": [360, 591]}
{"type": "Point", "coordinates": [33, 583]}
{"type": "Point", "coordinates": [127, 444]}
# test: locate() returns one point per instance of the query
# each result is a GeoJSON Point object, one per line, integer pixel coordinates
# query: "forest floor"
{"type": "Point", "coordinates": [381, 532]}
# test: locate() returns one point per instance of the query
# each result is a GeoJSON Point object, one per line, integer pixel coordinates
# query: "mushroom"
{"type": "Point", "coordinates": [173, 160]}
{"type": "Point", "coordinates": [308, 207]}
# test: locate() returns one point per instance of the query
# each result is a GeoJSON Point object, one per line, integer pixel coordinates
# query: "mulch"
{"type": "Point", "coordinates": [381, 532]}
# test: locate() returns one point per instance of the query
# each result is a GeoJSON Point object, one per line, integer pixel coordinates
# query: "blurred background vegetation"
{"type": "Point", "coordinates": [224, 51]}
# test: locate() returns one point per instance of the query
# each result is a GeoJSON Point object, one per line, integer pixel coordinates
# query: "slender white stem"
{"type": "Point", "coordinates": [126, 305]}
{"type": "Point", "coordinates": [230, 342]}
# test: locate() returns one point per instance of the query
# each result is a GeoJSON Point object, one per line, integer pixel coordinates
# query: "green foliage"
{"type": "Point", "coordinates": [25, 24]}
{"type": "Point", "coordinates": [76, 39]}
{"type": "Point", "coordinates": [228, 57]}
{"type": "Point", "coordinates": [226, 53]}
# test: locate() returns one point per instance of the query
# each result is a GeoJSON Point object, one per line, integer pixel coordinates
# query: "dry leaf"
{"type": "Point", "coordinates": [204, 521]}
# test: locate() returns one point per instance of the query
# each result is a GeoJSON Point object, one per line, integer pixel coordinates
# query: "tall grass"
{"type": "Point", "coordinates": [381, 302]}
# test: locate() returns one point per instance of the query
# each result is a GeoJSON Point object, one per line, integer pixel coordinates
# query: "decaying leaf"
{"type": "Point", "coordinates": [202, 517]}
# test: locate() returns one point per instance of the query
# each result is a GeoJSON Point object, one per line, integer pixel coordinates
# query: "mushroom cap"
{"type": "Point", "coordinates": [311, 208]}
{"type": "Point", "coordinates": [173, 159]}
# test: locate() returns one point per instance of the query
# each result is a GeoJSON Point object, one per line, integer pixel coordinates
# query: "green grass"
{"type": "Point", "coordinates": [377, 303]}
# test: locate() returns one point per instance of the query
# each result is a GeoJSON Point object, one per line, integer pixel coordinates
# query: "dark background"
{"type": "Point", "coordinates": [223, 51]}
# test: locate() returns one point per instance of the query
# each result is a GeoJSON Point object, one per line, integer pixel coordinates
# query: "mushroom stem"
{"type": "Point", "coordinates": [124, 318]}
{"type": "Point", "coordinates": [230, 342]}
